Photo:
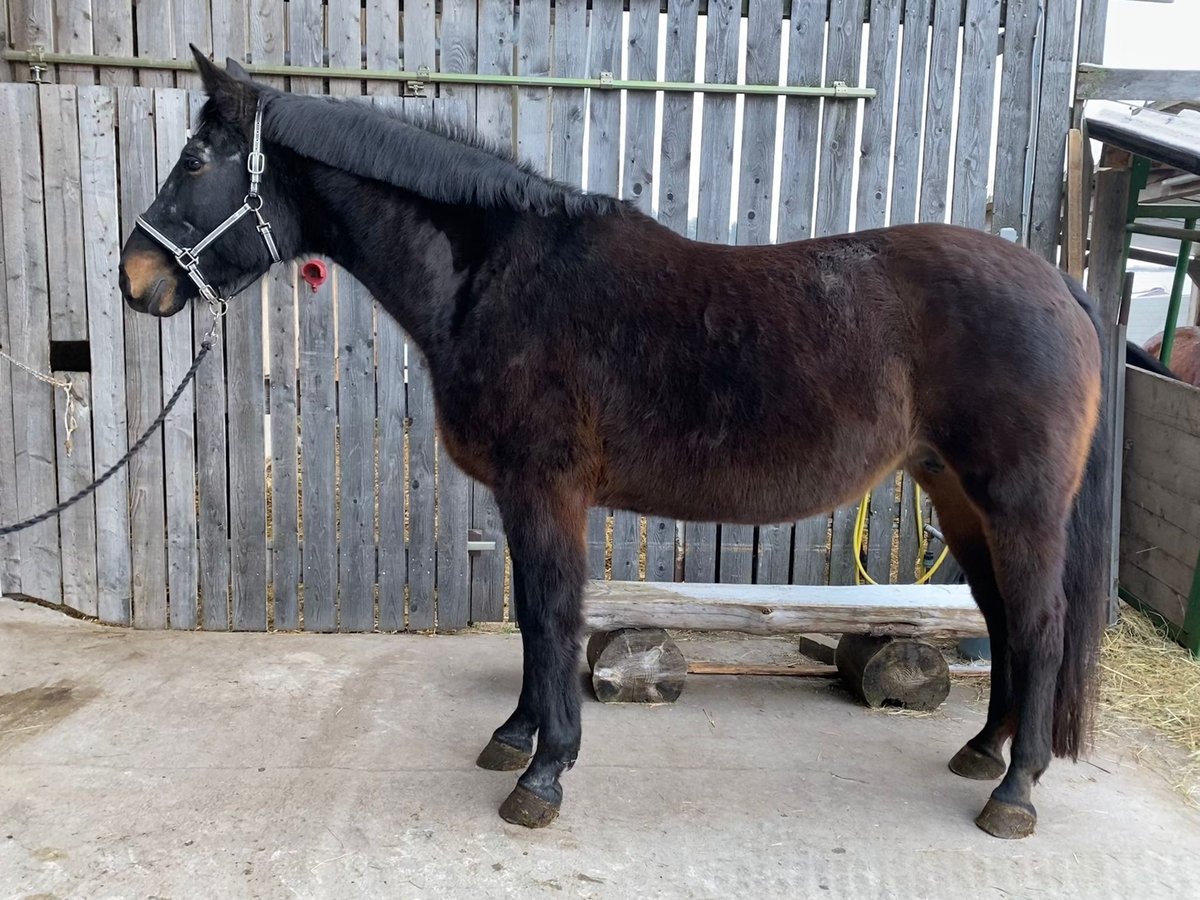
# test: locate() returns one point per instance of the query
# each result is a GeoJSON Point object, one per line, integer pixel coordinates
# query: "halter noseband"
{"type": "Point", "coordinates": [189, 257]}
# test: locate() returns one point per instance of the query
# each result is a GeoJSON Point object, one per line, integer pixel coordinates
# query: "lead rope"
{"type": "Point", "coordinates": [206, 344]}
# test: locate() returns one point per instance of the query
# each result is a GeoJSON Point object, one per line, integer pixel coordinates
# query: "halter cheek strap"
{"type": "Point", "coordinates": [188, 258]}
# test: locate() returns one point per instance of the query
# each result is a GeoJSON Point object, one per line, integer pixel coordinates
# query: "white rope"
{"type": "Point", "coordinates": [66, 385]}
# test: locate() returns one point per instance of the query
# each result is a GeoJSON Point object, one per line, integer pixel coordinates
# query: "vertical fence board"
{"type": "Point", "coordinates": [457, 104]}
{"type": "Point", "coordinates": [356, 428]}
{"type": "Point", "coordinates": [939, 107]}
{"type": "Point", "coordinates": [10, 547]}
{"type": "Point", "coordinates": [267, 35]}
{"type": "Point", "coordinates": [193, 25]}
{"type": "Point", "coordinates": [306, 40]}
{"type": "Point", "coordinates": [73, 34]}
{"type": "Point", "coordinates": [318, 426]}
{"type": "Point", "coordinates": [247, 460]}
{"type": "Point", "coordinates": [1054, 117]}
{"type": "Point", "coordinates": [112, 35]}
{"type": "Point", "coordinates": [143, 375]}
{"type": "Point", "coordinates": [78, 524]}
{"type": "Point", "coordinates": [568, 107]}
{"type": "Point", "coordinates": [98, 170]}
{"type": "Point", "coordinates": [1016, 115]}
{"type": "Point", "coordinates": [229, 28]}
{"type": "Point", "coordinates": [383, 41]}
{"type": "Point", "coordinates": [533, 104]}
{"type": "Point", "coordinates": [801, 120]}
{"type": "Point", "coordinates": [675, 167]}
{"type": "Point", "coordinates": [179, 439]}
{"type": "Point", "coordinates": [701, 539]}
{"type": "Point", "coordinates": [212, 477]}
{"type": "Point", "coordinates": [493, 121]}
{"type": "Point", "coordinates": [834, 201]}
{"type": "Point", "coordinates": [155, 40]}
{"type": "Point", "coordinates": [284, 539]}
{"type": "Point", "coordinates": [422, 546]}
{"type": "Point", "coordinates": [972, 154]}
{"type": "Point", "coordinates": [62, 190]}
{"type": "Point", "coordinates": [910, 106]}
{"type": "Point", "coordinates": [392, 411]}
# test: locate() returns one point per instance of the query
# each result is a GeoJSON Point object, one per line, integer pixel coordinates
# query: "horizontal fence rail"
{"type": "Point", "coordinates": [302, 484]}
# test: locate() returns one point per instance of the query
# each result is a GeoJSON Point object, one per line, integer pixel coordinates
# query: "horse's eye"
{"type": "Point", "coordinates": [192, 164]}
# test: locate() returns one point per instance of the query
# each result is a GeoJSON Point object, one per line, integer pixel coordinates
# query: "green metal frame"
{"type": "Point", "coordinates": [1189, 633]}
{"type": "Point", "coordinates": [423, 76]}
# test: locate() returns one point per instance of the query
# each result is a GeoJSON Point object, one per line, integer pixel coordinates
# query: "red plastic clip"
{"type": "Point", "coordinates": [314, 273]}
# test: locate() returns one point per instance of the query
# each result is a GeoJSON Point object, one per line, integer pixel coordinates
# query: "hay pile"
{"type": "Point", "coordinates": [1150, 682]}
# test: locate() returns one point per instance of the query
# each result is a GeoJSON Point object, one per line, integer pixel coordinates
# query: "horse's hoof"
{"type": "Point", "coordinates": [971, 763]}
{"type": "Point", "coordinates": [523, 807]}
{"type": "Point", "coordinates": [1006, 820]}
{"type": "Point", "coordinates": [501, 757]}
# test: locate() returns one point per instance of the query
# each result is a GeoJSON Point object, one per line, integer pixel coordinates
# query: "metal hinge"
{"type": "Point", "coordinates": [606, 79]}
{"type": "Point", "coordinates": [476, 543]}
{"type": "Point", "coordinates": [841, 89]}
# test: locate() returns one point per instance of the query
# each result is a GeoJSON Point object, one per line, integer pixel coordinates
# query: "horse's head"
{"type": "Point", "coordinates": [180, 249]}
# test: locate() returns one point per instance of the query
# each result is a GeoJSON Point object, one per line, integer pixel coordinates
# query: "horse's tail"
{"type": "Point", "coordinates": [1084, 581]}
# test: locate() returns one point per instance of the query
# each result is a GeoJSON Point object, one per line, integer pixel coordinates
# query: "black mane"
{"type": "Point", "coordinates": [437, 161]}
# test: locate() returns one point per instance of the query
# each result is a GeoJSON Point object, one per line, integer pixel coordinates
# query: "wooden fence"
{"type": "Point", "coordinates": [301, 485]}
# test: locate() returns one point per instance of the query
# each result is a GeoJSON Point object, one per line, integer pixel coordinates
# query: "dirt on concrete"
{"type": "Point", "coordinates": [139, 764]}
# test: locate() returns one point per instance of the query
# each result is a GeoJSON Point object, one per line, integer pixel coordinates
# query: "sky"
{"type": "Point", "coordinates": [1141, 34]}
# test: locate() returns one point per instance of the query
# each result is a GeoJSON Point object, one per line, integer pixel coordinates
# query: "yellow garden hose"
{"type": "Point", "coordinates": [860, 529]}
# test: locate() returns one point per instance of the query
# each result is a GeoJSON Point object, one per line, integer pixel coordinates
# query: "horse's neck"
{"type": "Point", "coordinates": [413, 257]}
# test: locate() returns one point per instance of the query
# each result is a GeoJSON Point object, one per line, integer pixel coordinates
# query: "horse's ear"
{"type": "Point", "coordinates": [234, 68]}
{"type": "Point", "coordinates": [234, 97]}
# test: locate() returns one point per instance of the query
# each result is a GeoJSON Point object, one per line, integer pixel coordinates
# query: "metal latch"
{"type": "Point", "coordinates": [419, 86]}
{"type": "Point", "coordinates": [840, 89]}
{"type": "Point", "coordinates": [606, 79]}
{"type": "Point", "coordinates": [37, 66]}
{"type": "Point", "coordinates": [476, 543]}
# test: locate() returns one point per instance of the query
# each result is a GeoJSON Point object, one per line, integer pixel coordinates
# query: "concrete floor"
{"type": "Point", "coordinates": [143, 764]}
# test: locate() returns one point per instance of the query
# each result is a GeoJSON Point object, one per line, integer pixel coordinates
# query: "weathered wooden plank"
{"type": "Point", "coordinates": [977, 85]}
{"type": "Point", "coordinates": [701, 539]}
{"type": "Point", "coordinates": [567, 108]}
{"type": "Point", "coordinates": [422, 547]}
{"type": "Point", "coordinates": [383, 41]}
{"type": "Point", "coordinates": [179, 438]}
{"type": "Point", "coordinates": [62, 190]}
{"type": "Point", "coordinates": [660, 549]}
{"type": "Point", "coordinates": [533, 104]}
{"type": "Point", "coordinates": [798, 178]}
{"type": "Point", "coordinates": [10, 547]}
{"type": "Point", "coordinates": [101, 250]}
{"type": "Point", "coordinates": [212, 476]}
{"type": "Point", "coordinates": [1095, 82]}
{"type": "Point", "coordinates": [1180, 510]}
{"type": "Point", "coordinates": [392, 411]}
{"type": "Point", "coordinates": [344, 40]}
{"type": "Point", "coordinates": [356, 430]}
{"type": "Point", "coordinates": [73, 34]}
{"type": "Point", "coordinates": [306, 33]}
{"type": "Point", "coordinates": [1054, 119]}
{"type": "Point", "coordinates": [29, 339]}
{"type": "Point", "coordinates": [1164, 400]}
{"type": "Point", "coordinates": [1165, 600]}
{"type": "Point", "coordinates": [267, 34]}
{"type": "Point", "coordinates": [155, 39]}
{"type": "Point", "coordinates": [494, 122]}
{"type": "Point", "coordinates": [910, 104]}
{"type": "Point", "coordinates": [247, 460]}
{"type": "Point", "coordinates": [834, 202]}
{"type": "Point", "coordinates": [112, 35]}
{"type": "Point", "coordinates": [1016, 115]}
{"type": "Point", "coordinates": [834, 199]}
{"type": "Point", "coordinates": [77, 524]}
{"type": "Point", "coordinates": [193, 25]}
{"type": "Point", "coordinates": [229, 28]}
{"type": "Point", "coordinates": [318, 424]}
{"type": "Point", "coordinates": [1146, 458]}
{"type": "Point", "coordinates": [1168, 550]}
{"type": "Point", "coordinates": [939, 109]}
{"type": "Point", "coordinates": [928, 610]}
{"type": "Point", "coordinates": [626, 546]}
{"type": "Point", "coordinates": [143, 375]}
{"type": "Point", "coordinates": [284, 520]}
{"type": "Point", "coordinates": [459, 53]}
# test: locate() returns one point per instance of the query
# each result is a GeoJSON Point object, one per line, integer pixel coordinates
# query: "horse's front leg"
{"type": "Point", "coordinates": [511, 746]}
{"type": "Point", "coordinates": [545, 528]}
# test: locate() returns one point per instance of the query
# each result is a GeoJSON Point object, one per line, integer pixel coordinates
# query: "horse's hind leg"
{"type": "Point", "coordinates": [982, 757]}
{"type": "Point", "coordinates": [511, 746]}
{"type": "Point", "coordinates": [545, 528]}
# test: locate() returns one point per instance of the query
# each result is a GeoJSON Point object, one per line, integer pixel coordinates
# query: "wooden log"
{"type": "Point", "coordinates": [901, 610]}
{"type": "Point", "coordinates": [776, 670]}
{"type": "Point", "coordinates": [636, 665]}
{"type": "Point", "coordinates": [887, 671]}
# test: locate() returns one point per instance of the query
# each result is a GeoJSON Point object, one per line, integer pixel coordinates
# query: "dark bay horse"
{"type": "Point", "coordinates": [582, 354]}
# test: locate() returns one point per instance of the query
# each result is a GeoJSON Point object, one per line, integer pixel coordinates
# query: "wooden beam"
{"type": "Point", "coordinates": [929, 610]}
{"type": "Point", "coordinates": [1094, 82]}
